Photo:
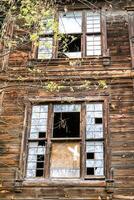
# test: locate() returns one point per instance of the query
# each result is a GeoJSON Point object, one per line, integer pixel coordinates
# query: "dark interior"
{"type": "Point", "coordinates": [90, 171]}
{"type": "Point", "coordinates": [70, 44]}
{"type": "Point", "coordinates": [98, 120]}
{"type": "Point", "coordinates": [66, 125]}
{"type": "Point", "coordinates": [40, 165]}
{"type": "Point", "coordinates": [90, 155]}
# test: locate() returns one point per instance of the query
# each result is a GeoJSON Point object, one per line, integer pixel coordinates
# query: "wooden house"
{"type": "Point", "coordinates": [67, 116]}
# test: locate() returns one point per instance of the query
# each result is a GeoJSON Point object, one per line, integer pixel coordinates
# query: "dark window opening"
{"type": "Point", "coordinates": [40, 158]}
{"type": "Point", "coordinates": [66, 124]}
{"type": "Point", "coordinates": [41, 143]}
{"type": "Point", "coordinates": [39, 172]}
{"type": "Point", "coordinates": [69, 44]}
{"type": "Point", "coordinates": [42, 134]}
{"type": "Point", "coordinates": [90, 155]}
{"type": "Point", "coordinates": [90, 171]}
{"type": "Point", "coordinates": [98, 120]}
{"type": "Point", "coordinates": [40, 165]}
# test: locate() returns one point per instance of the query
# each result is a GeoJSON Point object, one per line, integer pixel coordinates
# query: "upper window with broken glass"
{"type": "Point", "coordinates": [79, 36]}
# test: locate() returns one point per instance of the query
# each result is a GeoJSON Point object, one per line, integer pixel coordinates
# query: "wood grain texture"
{"type": "Point", "coordinates": [20, 87]}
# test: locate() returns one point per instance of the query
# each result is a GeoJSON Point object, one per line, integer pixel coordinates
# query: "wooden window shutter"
{"type": "Point", "coordinates": [105, 50]}
{"type": "Point", "coordinates": [131, 34]}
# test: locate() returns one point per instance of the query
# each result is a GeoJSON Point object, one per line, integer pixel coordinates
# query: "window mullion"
{"type": "Point", "coordinates": [83, 129]}
{"type": "Point", "coordinates": [105, 50]}
{"type": "Point", "coordinates": [49, 133]}
{"type": "Point", "coordinates": [83, 42]}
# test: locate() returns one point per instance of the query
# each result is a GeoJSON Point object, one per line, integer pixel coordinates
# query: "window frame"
{"type": "Point", "coordinates": [83, 35]}
{"type": "Point", "coordinates": [24, 149]}
{"type": "Point", "coordinates": [130, 12]}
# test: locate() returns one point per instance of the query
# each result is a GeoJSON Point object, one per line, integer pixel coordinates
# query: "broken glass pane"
{"type": "Point", "coordinates": [99, 171]}
{"type": "Point", "coordinates": [39, 121]}
{"type": "Point", "coordinates": [63, 126]}
{"type": "Point", "coordinates": [94, 125]}
{"type": "Point", "coordinates": [36, 154]}
{"type": "Point", "coordinates": [95, 159]}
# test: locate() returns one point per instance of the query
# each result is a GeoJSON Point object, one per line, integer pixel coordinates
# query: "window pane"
{"type": "Point", "coordinates": [66, 121]}
{"type": "Point", "coordinates": [95, 160]}
{"type": "Point", "coordinates": [47, 25]}
{"type": "Point", "coordinates": [35, 161]}
{"type": "Point", "coordinates": [73, 54]}
{"type": "Point", "coordinates": [65, 160]}
{"type": "Point", "coordinates": [94, 121]}
{"type": "Point", "coordinates": [39, 121]}
{"type": "Point", "coordinates": [45, 48]}
{"type": "Point", "coordinates": [70, 46]}
{"type": "Point", "coordinates": [93, 45]}
{"type": "Point", "coordinates": [67, 108]}
{"type": "Point", "coordinates": [66, 125]}
{"type": "Point", "coordinates": [70, 22]}
{"type": "Point", "coordinates": [93, 22]}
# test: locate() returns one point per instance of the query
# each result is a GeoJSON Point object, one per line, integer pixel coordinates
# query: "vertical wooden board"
{"type": "Point", "coordinates": [131, 34]}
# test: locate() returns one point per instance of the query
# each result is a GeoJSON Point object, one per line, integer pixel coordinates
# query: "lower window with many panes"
{"type": "Point", "coordinates": [66, 141]}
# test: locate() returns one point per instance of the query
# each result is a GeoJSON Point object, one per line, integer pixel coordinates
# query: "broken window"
{"type": "Point", "coordinates": [60, 130]}
{"type": "Point", "coordinates": [80, 34]}
{"type": "Point", "coordinates": [74, 23]}
{"type": "Point", "coordinates": [70, 46]}
{"type": "Point", "coordinates": [94, 140]}
{"type": "Point", "coordinates": [70, 26]}
{"type": "Point", "coordinates": [63, 118]}
{"type": "Point", "coordinates": [37, 141]}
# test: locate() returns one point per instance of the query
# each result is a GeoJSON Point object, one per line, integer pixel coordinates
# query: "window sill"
{"type": "Point", "coordinates": [69, 59]}
{"type": "Point", "coordinates": [41, 182]}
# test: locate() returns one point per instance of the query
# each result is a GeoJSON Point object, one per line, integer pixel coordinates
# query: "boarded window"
{"type": "Point", "coordinates": [65, 160]}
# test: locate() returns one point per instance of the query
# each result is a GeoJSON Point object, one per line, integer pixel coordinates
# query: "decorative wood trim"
{"type": "Point", "coordinates": [1, 101]}
{"type": "Point", "coordinates": [83, 127]}
{"type": "Point", "coordinates": [9, 33]}
{"type": "Point", "coordinates": [48, 149]}
{"type": "Point", "coordinates": [65, 182]}
{"type": "Point", "coordinates": [23, 142]}
{"type": "Point", "coordinates": [131, 33]}
{"type": "Point", "coordinates": [105, 50]}
{"type": "Point", "coordinates": [69, 99]}
{"type": "Point", "coordinates": [107, 139]}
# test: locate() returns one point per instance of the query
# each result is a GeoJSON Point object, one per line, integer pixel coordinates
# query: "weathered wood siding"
{"type": "Point", "coordinates": [18, 84]}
